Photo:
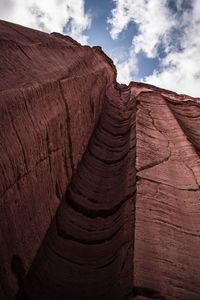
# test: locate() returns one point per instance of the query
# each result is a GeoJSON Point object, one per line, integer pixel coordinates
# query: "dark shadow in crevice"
{"type": "Point", "coordinates": [147, 292]}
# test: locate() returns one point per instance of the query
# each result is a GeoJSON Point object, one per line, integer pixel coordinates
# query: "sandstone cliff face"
{"type": "Point", "coordinates": [52, 92]}
{"type": "Point", "coordinates": [167, 228]}
{"type": "Point", "coordinates": [112, 172]}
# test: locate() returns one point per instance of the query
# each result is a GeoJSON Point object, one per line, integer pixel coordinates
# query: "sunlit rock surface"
{"type": "Point", "coordinates": [167, 227]}
{"type": "Point", "coordinates": [99, 182]}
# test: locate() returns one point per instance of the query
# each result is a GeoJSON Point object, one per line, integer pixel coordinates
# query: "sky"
{"type": "Point", "coordinates": [153, 41]}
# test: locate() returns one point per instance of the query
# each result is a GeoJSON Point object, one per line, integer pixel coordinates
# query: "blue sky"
{"type": "Point", "coordinates": [154, 41]}
{"type": "Point", "coordinates": [99, 34]}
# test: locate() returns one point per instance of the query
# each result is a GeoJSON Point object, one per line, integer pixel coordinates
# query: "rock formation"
{"type": "Point", "coordinates": [99, 182]}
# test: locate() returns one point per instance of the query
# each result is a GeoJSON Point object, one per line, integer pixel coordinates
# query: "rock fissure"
{"type": "Point", "coordinates": [68, 126]}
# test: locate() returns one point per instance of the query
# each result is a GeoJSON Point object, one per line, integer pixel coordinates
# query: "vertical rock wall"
{"type": "Point", "coordinates": [167, 228]}
{"type": "Point", "coordinates": [112, 172]}
{"type": "Point", "coordinates": [51, 95]}
{"type": "Point", "coordinates": [87, 253]}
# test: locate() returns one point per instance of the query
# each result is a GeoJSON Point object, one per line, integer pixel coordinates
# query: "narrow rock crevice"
{"type": "Point", "coordinates": [72, 230]}
{"type": "Point", "coordinates": [68, 126]}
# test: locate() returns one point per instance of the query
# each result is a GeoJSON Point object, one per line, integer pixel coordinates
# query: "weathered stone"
{"type": "Point", "coordinates": [167, 228]}
{"type": "Point", "coordinates": [111, 171]}
{"type": "Point", "coordinates": [51, 95]}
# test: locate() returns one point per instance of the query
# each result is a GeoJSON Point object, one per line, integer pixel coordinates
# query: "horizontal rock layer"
{"type": "Point", "coordinates": [111, 171]}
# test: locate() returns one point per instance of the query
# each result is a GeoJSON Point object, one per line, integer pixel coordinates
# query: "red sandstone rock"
{"type": "Point", "coordinates": [69, 132]}
{"type": "Point", "coordinates": [88, 248]}
{"type": "Point", "coordinates": [51, 95]}
{"type": "Point", "coordinates": [167, 228]}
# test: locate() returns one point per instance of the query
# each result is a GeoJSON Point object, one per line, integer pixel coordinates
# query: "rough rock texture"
{"type": "Point", "coordinates": [120, 163]}
{"type": "Point", "coordinates": [88, 249]}
{"type": "Point", "coordinates": [51, 94]}
{"type": "Point", "coordinates": [167, 228]}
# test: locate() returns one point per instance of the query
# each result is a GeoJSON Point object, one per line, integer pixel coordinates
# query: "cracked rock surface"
{"type": "Point", "coordinates": [99, 182]}
{"type": "Point", "coordinates": [167, 227]}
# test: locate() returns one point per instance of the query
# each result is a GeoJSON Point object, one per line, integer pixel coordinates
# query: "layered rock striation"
{"type": "Point", "coordinates": [99, 182]}
{"type": "Point", "coordinates": [167, 227]}
{"type": "Point", "coordinates": [51, 95]}
{"type": "Point", "coordinates": [88, 249]}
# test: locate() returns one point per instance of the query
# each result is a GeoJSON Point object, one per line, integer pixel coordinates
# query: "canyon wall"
{"type": "Point", "coordinates": [167, 228]}
{"type": "Point", "coordinates": [87, 253]}
{"type": "Point", "coordinates": [99, 182]}
{"type": "Point", "coordinates": [51, 95]}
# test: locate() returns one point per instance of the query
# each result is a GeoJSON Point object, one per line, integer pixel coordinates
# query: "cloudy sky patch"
{"type": "Point", "coordinates": [49, 16]}
{"type": "Point", "coordinates": [149, 40]}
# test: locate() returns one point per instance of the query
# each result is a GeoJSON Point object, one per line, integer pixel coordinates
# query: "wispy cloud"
{"type": "Point", "coordinates": [180, 69]}
{"type": "Point", "coordinates": [49, 15]}
{"type": "Point", "coordinates": [123, 61]}
{"type": "Point", "coordinates": [152, 17]}
{"type": "Point", "coordinates": [169, 34]}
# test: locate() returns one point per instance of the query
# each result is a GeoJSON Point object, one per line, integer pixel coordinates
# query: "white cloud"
{"type": "Point", "coordinates": [152, 17]}
{"type": "Point", "coordinates": [48, 15]}
{"type": "Point", "coordinates": [158, 26]}
{"type": "Point", "coordinates": [126, 73]}
{"type": "Point", "coordinates": [180, 70]}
